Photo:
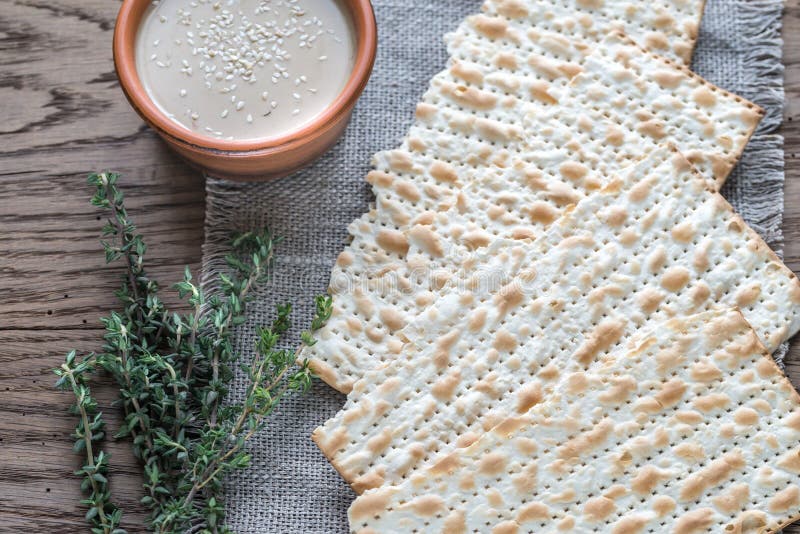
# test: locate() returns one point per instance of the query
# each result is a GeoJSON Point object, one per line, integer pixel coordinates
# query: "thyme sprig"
{"type": "Point", "coordinates": [102, 515]}
{"type": "Point", "coordinates": [173, 371]}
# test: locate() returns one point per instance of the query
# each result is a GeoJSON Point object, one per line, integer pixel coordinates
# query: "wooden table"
{"type": "Point", "coordinates": [63, 114]}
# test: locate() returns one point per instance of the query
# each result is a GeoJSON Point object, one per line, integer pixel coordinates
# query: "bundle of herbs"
{"type": "Point", "coordinates": [173, 371]}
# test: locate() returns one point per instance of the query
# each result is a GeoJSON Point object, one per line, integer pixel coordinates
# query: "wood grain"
{"type": "Point", "coordinates": [63, 115]}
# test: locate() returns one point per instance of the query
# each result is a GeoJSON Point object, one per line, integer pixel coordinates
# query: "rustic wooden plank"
{"type": "Point", "coordinates": [36, 458]}
{"type": "Point", "coordinates": [791, 133]}
{"type": "Point", "coordinates": [62, 246]}
{"type": "Point", "coordinates": [62, 116]}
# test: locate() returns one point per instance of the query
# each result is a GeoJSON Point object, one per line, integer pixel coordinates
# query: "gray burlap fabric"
{"type": "Point", "coordinates": [291, 488]}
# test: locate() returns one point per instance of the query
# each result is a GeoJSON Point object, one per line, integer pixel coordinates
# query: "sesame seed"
{"type": "Point", "coordinates": [235, 49]}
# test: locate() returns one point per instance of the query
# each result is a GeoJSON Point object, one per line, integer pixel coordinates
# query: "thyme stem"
{"type": "Point", "coordinates": [118, 214]}
{"type": "Point", "coordinates": [87, 440]}
{"type": "Point", "coordinates": [102, 515]}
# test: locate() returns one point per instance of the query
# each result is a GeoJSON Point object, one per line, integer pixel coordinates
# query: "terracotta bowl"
{"type": "Point", "coordinates": [260, 159]}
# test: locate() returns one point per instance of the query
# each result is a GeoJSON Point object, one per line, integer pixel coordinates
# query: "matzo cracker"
{"type": "Point", "coordinates": [690, 428]}
{"type": "Point", "coordinates": [522, 159]}
{"type": "Point", "coordinates": [655, 243]}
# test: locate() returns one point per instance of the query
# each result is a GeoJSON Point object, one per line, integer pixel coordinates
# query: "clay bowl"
{"type": "Point", "coordinates": [253, 160]}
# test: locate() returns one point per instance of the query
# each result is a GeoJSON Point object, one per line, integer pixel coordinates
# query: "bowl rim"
{"type": "Point", "coordinates": [124, 48]}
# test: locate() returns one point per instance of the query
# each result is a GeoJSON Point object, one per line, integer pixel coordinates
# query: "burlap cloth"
{"type": "Point", "coordinates": [290, 486]}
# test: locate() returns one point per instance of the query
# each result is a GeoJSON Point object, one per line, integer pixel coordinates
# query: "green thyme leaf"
{"type": "Point", "coordinates": [173, 371]}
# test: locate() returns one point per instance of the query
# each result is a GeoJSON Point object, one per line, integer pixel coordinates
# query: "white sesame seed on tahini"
{"type": "Point", "coordinates": [243, 46]}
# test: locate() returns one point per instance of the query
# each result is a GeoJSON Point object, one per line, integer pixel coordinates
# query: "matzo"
{"type": "Point", "coordinates": [667, 27]}
{"type": "Point", "coordinates": [692, 428]}
{"type": "Point", "coordinates": [519, 183]}
{"type": "Point", "coordinates": [654, 244]}
{"type": "Point", "coordinates": [614, 103]}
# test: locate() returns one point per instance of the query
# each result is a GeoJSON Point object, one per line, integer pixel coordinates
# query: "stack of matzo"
{"type": "Point", "coordinates": [608, 115]}
{"type": "Point", "coordinates": [690, 428]}
{"type": "Point", "coordinates": [654, 243]}
{"type": "Point", "coordinates": [555, 196]}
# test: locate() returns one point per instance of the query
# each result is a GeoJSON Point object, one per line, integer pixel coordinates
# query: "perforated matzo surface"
{"type": "Point", "coordinates": [690, 428]}
{"type": "Point", "coordinates": [656, 243]}
{"type": "Point", "coordinates": [668, 27]}
{"type": "Point", "coordinates": [484, 130]}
